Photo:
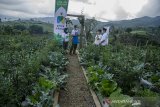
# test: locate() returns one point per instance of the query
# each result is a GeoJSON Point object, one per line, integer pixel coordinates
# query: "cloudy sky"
{"type": "Point", "coordinates": [100, 9]}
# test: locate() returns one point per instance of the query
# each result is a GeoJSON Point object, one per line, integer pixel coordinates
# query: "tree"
{"type": "Point", "coordinates": [35, 29]}
{"type": "Point", "coordinates": [69, 24]}
{"type": "Point", "coordinates": [20, 27]}
{"type": "Point", "coordinates": [90, 25]}
{"type": "Point", "coordinates": [8, 30]}
{"type": "Point", "coordinates": [81, 20]}
{"type": "Point", "coordinates": [0, 20]}
{"type": "Point", "coordinates": [19, 19]}
{"type": "Point", "coordinates": [129, 30]}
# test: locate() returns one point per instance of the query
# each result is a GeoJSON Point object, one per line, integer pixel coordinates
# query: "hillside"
{"type": "Point", "coordinates": [46, 26]}
{"type": "Point", "coordinates": [143, 21]}
{"type": "Point", "coordinates": [51, 20]}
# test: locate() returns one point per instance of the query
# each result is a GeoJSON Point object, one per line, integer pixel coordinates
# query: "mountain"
{"type": "Point", "coordinates": [137, 22]}
{"type": "Point", "coordinates": [7, 18]}
{"type": "Point", "coordinates": [51, 20]}
{"type": "Point", "coordinates": [142, 22]}
{"type": "Point", "coordinates": [45, 19]}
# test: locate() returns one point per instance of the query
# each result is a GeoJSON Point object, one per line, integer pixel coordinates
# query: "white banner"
{"type": "Point", "coordinates": [59, 17]}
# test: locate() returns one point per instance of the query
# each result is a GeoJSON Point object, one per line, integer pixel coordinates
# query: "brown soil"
{"type": "Point", "coordinates": [77, 93]}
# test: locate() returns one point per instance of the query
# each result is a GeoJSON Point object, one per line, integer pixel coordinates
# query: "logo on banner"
{"type": "Point", "coordinates": [61, 19]}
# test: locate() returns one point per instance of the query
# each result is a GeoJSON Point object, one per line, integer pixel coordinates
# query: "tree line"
{"type": "Point", "coordinates": [21, 29]}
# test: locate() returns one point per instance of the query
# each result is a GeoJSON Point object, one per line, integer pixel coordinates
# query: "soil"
{"type": "Point", "coordinates": [76, 93]}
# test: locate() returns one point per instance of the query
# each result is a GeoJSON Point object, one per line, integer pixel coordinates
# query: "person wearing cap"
{"type": "Point", "coordinates": [104, 38]}
{"type": "Point", "coordinates": [65, 37]}
{"type": "Point", "coordinates": [98, 37]}
{"type": "Point", "coordinates": [75, 41]}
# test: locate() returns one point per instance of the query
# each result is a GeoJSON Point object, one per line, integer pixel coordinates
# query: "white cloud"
{"type": "Point", "coordinates": [132, 6]}
{"type": "Point", "coordinates": [152, 8]}
{"type": "Point", "coordinates": [109, 9]}
{"type": "Point", "coordinates": [27, 8]}
{"type": "Point", "coordinates": [101, 9]}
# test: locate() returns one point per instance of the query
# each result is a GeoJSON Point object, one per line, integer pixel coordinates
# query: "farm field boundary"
{"type": "Point", "coordinates": [94, 95]}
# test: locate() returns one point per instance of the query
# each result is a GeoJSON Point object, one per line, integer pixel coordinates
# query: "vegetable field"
{"type": "Point", "coordinates": [121, 72]}
{"type": "Point", "coordinates": [32, 69]}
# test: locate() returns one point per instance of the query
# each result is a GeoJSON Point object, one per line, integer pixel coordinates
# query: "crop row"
{"type": "Point", "coordinates": [123, 72]}
{"type": "Point", "coordinates": [31, 70]}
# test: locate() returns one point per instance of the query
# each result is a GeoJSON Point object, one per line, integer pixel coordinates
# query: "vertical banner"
{"type": "Point", "coordinates": [61, 7]}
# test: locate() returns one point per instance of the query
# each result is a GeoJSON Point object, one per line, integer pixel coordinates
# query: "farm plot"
{"type": "Point", "coordinates": [124, 73]}
{"type": "Point", "coordinates": [31, 70]}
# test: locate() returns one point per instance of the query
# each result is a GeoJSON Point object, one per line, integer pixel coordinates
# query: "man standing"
{"type": "Point", "coordinates": [104, 38]}
{"type": "Point", "coordinates": [65, 37]}
{"type": "Point", "coordinates": [75, 41]}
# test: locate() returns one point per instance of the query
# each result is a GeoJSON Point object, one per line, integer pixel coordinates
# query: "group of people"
{"type": "Point", "coordinates": [101, 39]}
{"type": "Point", "coordinates": [65, 38]}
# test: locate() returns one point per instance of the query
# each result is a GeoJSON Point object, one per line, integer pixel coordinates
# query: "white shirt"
{"type": "Point", "coordinates": [75, 32]}
{"type": "Point", "coordinates": [97, 39]}
{"type": "Point", "coordinates": [105, 39]}
{"type": "Point", "coordinates": [65, 37]}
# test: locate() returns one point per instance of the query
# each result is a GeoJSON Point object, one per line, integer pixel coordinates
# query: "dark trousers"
{"type": "Point", "coordinates": [73, 48]}
{"type": "Point", "coordinates": [65, 45]}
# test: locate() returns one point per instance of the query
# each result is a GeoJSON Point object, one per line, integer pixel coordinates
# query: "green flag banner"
{"type": "Point", "coordinates": [61, 7]}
